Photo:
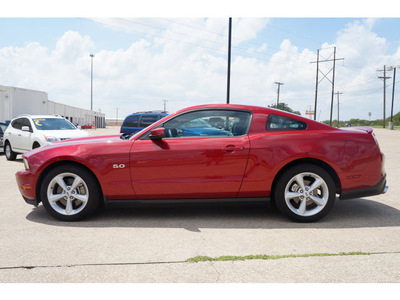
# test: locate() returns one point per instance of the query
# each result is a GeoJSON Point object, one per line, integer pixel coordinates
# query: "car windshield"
{"type": "Point", "coordinates": [52, 124]}
{"type": "Point", "coordinates": [128, 136]}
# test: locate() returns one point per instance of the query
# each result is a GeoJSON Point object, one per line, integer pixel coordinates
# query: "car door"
{"type": "Point", "coordinates": [193, 162]}
{"type": "Point", "coordinates": [25, 137]}
{"type": "Point", "coordinates": [14, 133]}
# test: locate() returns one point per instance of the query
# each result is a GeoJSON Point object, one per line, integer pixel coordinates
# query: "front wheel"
{"type": "Point", "coordinates": [70, 193]}
{"type": "Point", "coordinates": [305, 193]}
{"type": "Point", "coordinates": [10, 154]}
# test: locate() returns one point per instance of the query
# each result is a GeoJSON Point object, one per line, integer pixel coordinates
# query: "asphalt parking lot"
{"type": "Point", "coordinates": [153, 244]}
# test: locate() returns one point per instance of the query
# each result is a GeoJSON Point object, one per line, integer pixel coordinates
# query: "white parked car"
{"type": "Point", "coordinates": [28, 132]}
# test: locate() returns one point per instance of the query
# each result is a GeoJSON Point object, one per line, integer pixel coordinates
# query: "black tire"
{"type": "Point", "coordinates": [35, 145]}
{"type": "Point", "coordinates": [65, 205]}
{"type": "Point", "coordinates": [296, 197]}
{"type": "Point", "coordinates": [9, 153]}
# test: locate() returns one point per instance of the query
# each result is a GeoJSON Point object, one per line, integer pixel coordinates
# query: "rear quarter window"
{"type": "Point", "coordinates": [280, 123]}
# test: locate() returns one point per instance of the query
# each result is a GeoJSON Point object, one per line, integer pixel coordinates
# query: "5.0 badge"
{"type": "Point", "coordinates": [118, 166]}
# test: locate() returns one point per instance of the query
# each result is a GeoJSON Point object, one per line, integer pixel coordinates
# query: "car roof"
{"type": "Point", "coordinates": [260, 110]}
{"type": "Point", "coordinates": [40, 116]}
{"type": "Point", "coordinates": [149, 113]}
{"type": "Point", "coordinates": [256, 109]}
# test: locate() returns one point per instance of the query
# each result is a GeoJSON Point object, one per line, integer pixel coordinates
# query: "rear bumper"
{"type": "Point", "coordinates": [378, 189]}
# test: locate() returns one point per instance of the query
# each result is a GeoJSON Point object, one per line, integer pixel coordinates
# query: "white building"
{"type": "Point", "coordinates": [16, 101]}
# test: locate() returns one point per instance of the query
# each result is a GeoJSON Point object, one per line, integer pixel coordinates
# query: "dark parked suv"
{"type": "Point", "coordinates": [3, 127]}
{"type": "Point", "coordinates": [137, 121]}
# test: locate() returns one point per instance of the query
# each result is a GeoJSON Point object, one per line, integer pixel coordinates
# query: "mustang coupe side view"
{"type": "Point", "coordinates": [209, 153]}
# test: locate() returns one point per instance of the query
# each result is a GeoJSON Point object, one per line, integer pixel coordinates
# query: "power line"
{"type": "Point", "coordinates": [219, 34]}
{"type": "Point", "coordinates": [181, 40]}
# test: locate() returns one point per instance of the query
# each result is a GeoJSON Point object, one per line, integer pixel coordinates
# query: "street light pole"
{"type": "Point", "coordinates": [91, 83]}
{"type": "Point", "coordinates": [229, 62]}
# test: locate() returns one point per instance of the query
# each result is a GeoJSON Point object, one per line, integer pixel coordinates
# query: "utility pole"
{"type": "Point", "coordinates": [325, 76]}
{"type": "Point", "coordinates": [337, 93]}
{"type": "Point", "coordinates": [384, 77]}
{"type": "Point", "coordinates": [277, 98]}
{"type": "Point", "coordinates": [229, 61]}
{"type": "Point", "coordinates": [391, 112]}
{"type": "Point", "coordinates": [333, 83]}
{"type": "Point", "coordinates": [316, 88]}
{"type": "Point", "coordinates": [165, 105]}
{"type": "Point", "coordinates": [394, 81]}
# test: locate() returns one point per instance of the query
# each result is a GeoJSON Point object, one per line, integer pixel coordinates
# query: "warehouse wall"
{"type": "Point", "coordinates": [16, 101]}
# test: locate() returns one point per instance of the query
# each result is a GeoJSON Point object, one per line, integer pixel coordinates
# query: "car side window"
{"type": "Point", "coordinates": [26, 122]}
{"type": "Point", "coordinates": [132, 121]}
{"type": "Point", "coordinates": [17, 124]}
{"type": "Point", "coordinates": [208, 123]}
{"type": "Point", "coordinates": [280, 123]}
{"type": "Point", "coordinates": [148, 120]}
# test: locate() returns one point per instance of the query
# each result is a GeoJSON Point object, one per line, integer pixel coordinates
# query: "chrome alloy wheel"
{"type": "Point", "coordinates": [306, 194]}
{"type": "Point", "coordinates": [67, 194]}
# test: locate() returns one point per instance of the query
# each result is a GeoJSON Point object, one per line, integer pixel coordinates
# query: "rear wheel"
{"type": "Point", "coordinates": [70, 193]}
{"type": "Point", "coordinates": [10, 155]}
{"type": "Point", "coordinates": [305, 193]}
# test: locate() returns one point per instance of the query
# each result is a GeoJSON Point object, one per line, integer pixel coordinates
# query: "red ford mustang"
{"type": "Point", "coordinates": [209, 153]}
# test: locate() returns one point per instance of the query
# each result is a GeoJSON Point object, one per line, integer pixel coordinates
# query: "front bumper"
{"type": "Point", "coordinates": [377, 189]}
{"type": "Point", "coordinates": [27, 186]}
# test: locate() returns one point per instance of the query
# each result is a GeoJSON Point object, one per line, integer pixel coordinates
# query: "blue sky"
{"type": "Point", "coordinates": [303, 32]}
{"type": "Point", "coordinates": [143, 60]}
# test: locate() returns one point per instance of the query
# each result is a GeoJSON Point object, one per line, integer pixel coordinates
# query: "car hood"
{"type": "Point", "coordinates": [89, 140]}
{"type": "Point", "coordinates": [100, 140]}
{"type": "Point", "coordinates": [66, 134]}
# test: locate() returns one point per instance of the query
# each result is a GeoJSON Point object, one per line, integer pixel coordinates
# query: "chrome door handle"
{"type": "Point", "coordinates": [231, 148]}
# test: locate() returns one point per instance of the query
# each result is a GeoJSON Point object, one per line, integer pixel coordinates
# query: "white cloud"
{"type": "Point", "coordinates": [185, 63]}
{"type": "Point", "coordinates": [71, 46]}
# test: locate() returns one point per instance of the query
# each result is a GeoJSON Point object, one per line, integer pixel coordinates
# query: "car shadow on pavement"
{"type": "Point", "coordinates": [17, 160]}
{"type": "Point", "coordinates": [354, 213]}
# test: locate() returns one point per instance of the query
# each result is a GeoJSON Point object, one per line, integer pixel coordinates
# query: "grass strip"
{"type": "Point", "coordinates": [269, 257]}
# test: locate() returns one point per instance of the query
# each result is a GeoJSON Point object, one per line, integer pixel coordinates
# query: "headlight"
{"type": "Point", "coordinates": [51, 139]}
{"type": "Point", "coordinates": [26, 164]}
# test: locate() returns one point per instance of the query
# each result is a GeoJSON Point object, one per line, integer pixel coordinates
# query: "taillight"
{"type": "Point", "coordinates": [376, 140]}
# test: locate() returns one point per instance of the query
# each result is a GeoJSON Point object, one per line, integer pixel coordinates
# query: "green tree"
{"type": "Point", "coordinates": [283, 106]}
{"type": "Point", "coordinates": [361, 122]}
